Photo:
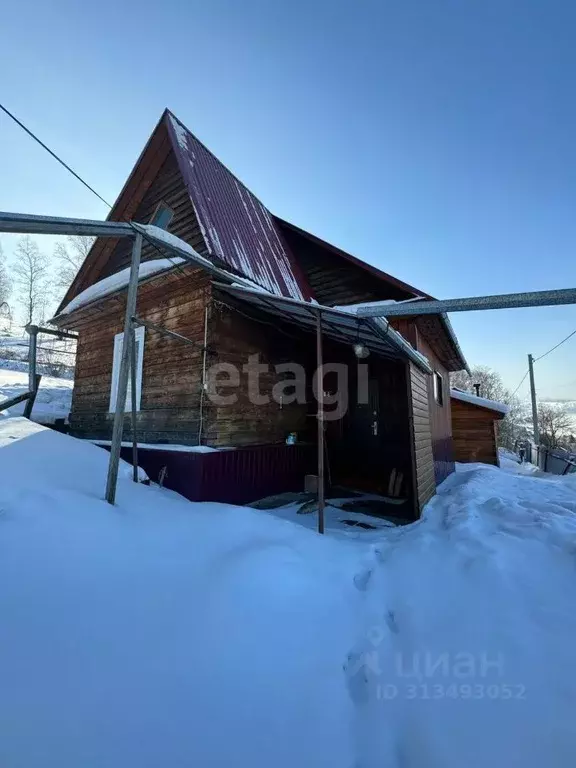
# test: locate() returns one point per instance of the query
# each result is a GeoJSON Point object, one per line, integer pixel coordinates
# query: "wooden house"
{"type": "Point", "coordinates": [394, 435]}
{"type": "Point", "coordinates": [475, 427]}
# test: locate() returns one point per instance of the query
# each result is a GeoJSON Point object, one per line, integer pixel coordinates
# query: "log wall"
{"type": "Point", "coordinates": [169, 409]}
{"type": "Point", "coordinates": [235, 337]}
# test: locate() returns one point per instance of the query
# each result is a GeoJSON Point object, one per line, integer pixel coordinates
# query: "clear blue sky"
{"type": "Point", "coordinates": [435, 139]}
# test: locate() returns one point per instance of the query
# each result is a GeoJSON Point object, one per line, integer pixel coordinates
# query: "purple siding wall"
{"type": "Point", "coordinates": [236, 227]}
{"type": "Point", "coordinates": [235, 477]}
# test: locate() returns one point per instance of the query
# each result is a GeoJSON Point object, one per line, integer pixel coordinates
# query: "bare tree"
{"type": "Point", "coordinates": [70, 256]}
{"type": "Point", "coordinates": [555, 423]}
{"type": "Point", "coordinates": [491, 384]}
{"type": "Point", "coordinates": [32, 279]}
{"type": "Point", "coordinates": [513, 426]}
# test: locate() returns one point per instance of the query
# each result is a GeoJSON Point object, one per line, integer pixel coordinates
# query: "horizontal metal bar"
{"type": "Point", "coordinates": [159, 329]}
{"type": "Point", "coordinates": [24, 223]}
{"type": "Point", "coordinates": [15, 400]}
{"type": "Point", "coordinates": [51, 331]}
{"type": "Point", "coordinates": [499, 301]}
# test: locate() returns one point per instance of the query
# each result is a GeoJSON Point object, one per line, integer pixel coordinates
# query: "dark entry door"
{"type": "Point", "coordinates": [365, 421]}
{"type": "Point", "coordinates": [360, 460]}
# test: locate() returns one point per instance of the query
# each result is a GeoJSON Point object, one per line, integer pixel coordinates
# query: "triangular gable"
{"type": "Point", "coordinates": [141, 178]}
{"type": "Point", "coordinates": [237, 231]}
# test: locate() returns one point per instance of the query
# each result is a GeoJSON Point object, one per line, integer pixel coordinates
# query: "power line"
{"type": "Point", "coordinates": [85, 183]}
{"type": "Point", "coordinates": [54, 155]}
{"type": "Point", "coordinates": [556, 346]}
{"type": "Point", "coordinates": [543, 356]}
{"type": "Point", "coordinates": [519, 385]}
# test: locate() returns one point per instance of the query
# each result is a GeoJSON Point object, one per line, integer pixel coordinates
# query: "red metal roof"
{"type": "Point", "coordinates": [237, 229]}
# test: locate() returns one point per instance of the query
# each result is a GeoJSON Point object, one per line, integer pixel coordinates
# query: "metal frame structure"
{"type": "Point", "coordinates": [322, 317]}
{"type": "Point", "coordinates": [472, 303]}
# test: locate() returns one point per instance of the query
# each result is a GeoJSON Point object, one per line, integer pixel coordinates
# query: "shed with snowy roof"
{"type": "Point", "coordinates": [475, 427]}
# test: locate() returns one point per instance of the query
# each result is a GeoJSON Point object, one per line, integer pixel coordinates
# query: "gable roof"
{"type": "Point", "coordinates": [240, 234]}
{"type": "Point", "coordinates": [399, 288]}
{"type": "Point", "coordinates": [339, 278]}
{"type": "Point", "coordinates": [237, 229]}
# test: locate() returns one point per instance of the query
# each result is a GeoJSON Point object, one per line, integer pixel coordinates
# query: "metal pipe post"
{"type": "Point", "coordinates": [535, 427]}
{"type": "Point", "coordinates": [32, 346]}
{"type": "Point", "coordinates": [320, 397]}
{"type": "Point", "coordinates": [471, 303]}
{"type": "Point", "coordinates": [112, 478]}
{"type": "Point", "coordinates": [203, 380]}
{"type": "Point", "coordinates": [133, 363]}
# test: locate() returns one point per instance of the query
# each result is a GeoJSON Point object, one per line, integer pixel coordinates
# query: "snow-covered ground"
{"type": "Point", "coordinates": [54, 356]}
{"type": "Point", "coordinates": [166, 633]}
{"type": "Point", "coordinates": [53, 400]}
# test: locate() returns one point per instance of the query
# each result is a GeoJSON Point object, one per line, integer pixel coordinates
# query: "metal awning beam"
{"type": "Point", "coordinates": [472, 303]}
{"type": "Point", "coordinates": [27, 224]}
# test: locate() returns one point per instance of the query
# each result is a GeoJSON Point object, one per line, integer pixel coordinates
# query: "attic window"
{"type": "Point", "coordinates": [162, 216]}
{"type": "Point", "coordinates": [438, 388]}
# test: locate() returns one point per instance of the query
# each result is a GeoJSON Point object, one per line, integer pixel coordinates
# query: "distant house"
{"type": "Point", "coordinates": [394, 437]}
{"type": "Point", "coordinates": [475, 427]}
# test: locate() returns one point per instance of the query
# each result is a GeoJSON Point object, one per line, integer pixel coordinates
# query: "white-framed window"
{"type": "Point", "coordinates": [162, 216]}
{"type": "Point", "coordinates": [117, 357]}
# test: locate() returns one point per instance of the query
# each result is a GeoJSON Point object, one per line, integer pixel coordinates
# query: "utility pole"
{"type": "Point", "coordinates": [533, 398]}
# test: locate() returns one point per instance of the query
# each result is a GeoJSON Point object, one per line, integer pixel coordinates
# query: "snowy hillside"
{"type": "Point", "coordinates": [55, 357]}
{"type": "Point", "coordinates": [570, 404]}
{"type": "Point", "coordinates": [166, 633]}
{"type": "Point", "coordinates": [53, 400]}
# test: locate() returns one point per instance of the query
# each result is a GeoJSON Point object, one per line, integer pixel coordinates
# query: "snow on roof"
{"type": "Point", "coordinates": [173, 242]}
{"type": "Point", "coordinates": [482, 402]}
{"type": "Point", "coordinates": [165, 447]}
{"type": "Point", "coordinates": [119, 280]}
{"type": "Point", "coordinates": [353, 308]}
{"type": "Point", "coordinates": [237, 228]}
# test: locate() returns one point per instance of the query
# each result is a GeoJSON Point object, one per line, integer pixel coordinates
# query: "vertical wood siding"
{"type": "Point", "coordinates": [424, 480]}
{"type": "Point", "coordinates": [440, 415]}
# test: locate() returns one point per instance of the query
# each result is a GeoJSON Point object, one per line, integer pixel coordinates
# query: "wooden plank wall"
{"type": "Point", "coordinates": [235, 337]}
{"type": "Point", "coordinates": [474, 432]}
{"type": "Point", "coordinates": [424, 480]}
{"type": "Point", "coordinates": [171, 370]}
{"type": "Point", "coordinates": [168, 187]}
{"type": "Point", "coordinates": [440, 415]}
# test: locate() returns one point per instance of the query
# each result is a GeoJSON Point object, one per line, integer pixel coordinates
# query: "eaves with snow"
{"type": "Point", "coordinates": [481, 402]}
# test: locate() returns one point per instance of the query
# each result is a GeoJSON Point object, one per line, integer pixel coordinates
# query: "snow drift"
{"type": "Point", "coordinates": [166, 633]}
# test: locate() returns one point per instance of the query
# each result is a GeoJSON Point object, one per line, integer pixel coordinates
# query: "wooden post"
{"type": "Point", "coordinates": [32, 347]}
{"type": "Point", "coordinates": [133, 364]}
{"type": "Point", "coordinates": [535, 427]}
{"type": "Point", "coordinates": [320, 397]}
{"type": "Point", "coordinates": [32, 399]}
{"type": "Point", "coordinates": [112, 478]}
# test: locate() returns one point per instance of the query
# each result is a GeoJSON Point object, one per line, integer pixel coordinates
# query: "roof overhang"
{"type": "Point", "coordinates": [378, 336]}
{"type": "Point", "coordinates": [496, 409]}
